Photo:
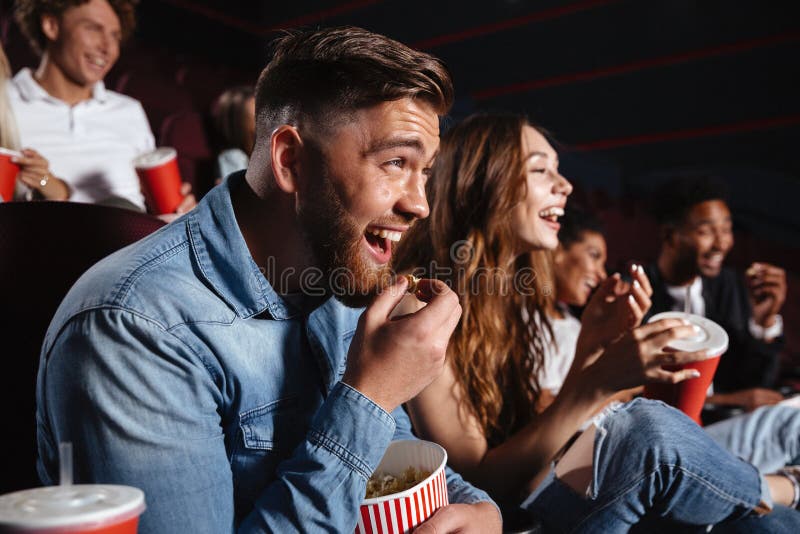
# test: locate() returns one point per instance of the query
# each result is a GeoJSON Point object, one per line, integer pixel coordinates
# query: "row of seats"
{"type": "Point", "coordinates": [177, 94]}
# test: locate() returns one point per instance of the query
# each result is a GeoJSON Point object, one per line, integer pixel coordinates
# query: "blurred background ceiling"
{"type": "Point", "coordinates": [645, 84]}
{"type": "Point", "coordinates": [631, 88]}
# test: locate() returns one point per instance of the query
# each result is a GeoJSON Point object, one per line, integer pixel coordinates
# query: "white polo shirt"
{"type": "Point", "coordinates": [89, 145]}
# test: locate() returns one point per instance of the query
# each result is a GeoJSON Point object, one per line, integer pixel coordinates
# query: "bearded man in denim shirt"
{"type": "Point", "coordinates": [223, 364]}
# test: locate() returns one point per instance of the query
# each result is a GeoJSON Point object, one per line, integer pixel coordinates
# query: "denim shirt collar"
{"type": "Point", "coordinates": [224, 260]}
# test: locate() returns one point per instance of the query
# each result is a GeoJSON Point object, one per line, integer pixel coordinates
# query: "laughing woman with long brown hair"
{"type": "Point", "coordinates": [496, 194]}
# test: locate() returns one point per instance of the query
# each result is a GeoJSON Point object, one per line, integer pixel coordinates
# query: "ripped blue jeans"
{"type": "Point", "coordinates": [652, 461]}
{"type": "Point", "coordinates": [768, 438]}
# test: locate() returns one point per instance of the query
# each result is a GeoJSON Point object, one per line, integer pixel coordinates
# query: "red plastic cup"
{"type": "Point", "coordinates": [160, 178]}
{"type": "Point", "coordinates": [8, 174]}
{"type": "Point", "coordinates": [78, 509]}
{"type": "Point", "coordinates": [690, 395]}
{"type": "Point", "coordinates": [401, 512]}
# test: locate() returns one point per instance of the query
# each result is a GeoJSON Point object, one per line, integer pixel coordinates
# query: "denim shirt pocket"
{"type": "Point", "coordinates": [268, 426]}
{"type": "Point", "coordinates": [267, 435]}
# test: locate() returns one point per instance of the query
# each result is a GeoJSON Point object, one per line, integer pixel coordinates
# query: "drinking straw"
{"type": "Point", "coordinates": [65, 463]}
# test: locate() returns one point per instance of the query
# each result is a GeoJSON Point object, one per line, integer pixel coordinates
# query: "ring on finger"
{"type": "Point", "coordinates": [44, 180]}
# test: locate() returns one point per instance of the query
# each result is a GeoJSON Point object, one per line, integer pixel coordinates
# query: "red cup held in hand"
{"type": "Point", "coordinates": [689, 396]}
{"type": "Point", "coordinates": [8, 173]}
{"type": "Point", "coordinates": [160, 178]}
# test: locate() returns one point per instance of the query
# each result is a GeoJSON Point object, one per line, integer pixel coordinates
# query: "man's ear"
{"type": "Point", "coordinates": [50, 27]}
{"type": "Point", "coordinates": [285, 147]}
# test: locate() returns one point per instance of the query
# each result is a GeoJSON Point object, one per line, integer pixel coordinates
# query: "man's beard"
{"type": "Point", "coordinates": [335, 241]}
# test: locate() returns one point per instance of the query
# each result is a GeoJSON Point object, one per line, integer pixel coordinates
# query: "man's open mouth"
{"type": "Point", "coordinates": [379, 241]}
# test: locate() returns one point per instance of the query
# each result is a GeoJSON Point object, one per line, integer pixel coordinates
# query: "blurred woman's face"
{"type": "Point", "coordinates": [579, 268]}
{"type": "Point", "coordinates": [249, 123]}
{"type": "Point", "coordinates": [535, 217]}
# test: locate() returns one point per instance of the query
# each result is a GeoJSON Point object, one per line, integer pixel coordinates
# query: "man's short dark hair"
{"type": "Point", "coordinates": [326, 75]}
{"type": "Point", "coordinates": [29, 15]}
{"type": "Point", "coordinates": [575, 223]}
{"type": "Point", "coordinates": [674, 198]}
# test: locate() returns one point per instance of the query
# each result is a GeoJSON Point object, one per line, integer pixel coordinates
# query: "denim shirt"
{"type": "Point", "coordinates": [173, 366]}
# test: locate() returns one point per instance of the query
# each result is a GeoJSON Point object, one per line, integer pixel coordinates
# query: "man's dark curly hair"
{"type": "Point", "coordinates": [574, 225]}
{"type": "Point", "coordinates": [29, 17]}
{"type": "Point", "coordinates": [675, 197]}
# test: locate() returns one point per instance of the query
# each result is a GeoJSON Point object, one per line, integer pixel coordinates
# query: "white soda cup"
{"type": "Point", "coordinates": [73, 509]}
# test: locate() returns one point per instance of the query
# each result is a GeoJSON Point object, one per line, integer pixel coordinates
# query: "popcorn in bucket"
{"type": "Point", "coordinates": [415, 463]}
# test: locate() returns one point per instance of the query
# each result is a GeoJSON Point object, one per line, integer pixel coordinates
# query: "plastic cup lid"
{"type": "Point", "coordinates": [82, 505]}
{"type": "Point", "coordinates": [155, 158]}
{"type": "Point", "coordinates": [712, 337]}
{"type": "Point", "coordinates": [9, 152]}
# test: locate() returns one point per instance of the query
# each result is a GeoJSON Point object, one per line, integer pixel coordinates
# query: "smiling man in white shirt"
{"type": "Point", "coordinates": [85, 136]}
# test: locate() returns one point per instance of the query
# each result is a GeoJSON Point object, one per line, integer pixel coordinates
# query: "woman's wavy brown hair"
{"type": "Point", "coordinates": [469, 241]}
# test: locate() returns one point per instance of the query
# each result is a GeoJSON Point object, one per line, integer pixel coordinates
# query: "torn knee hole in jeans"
{"type": "Point", "coordinates": [575, 468]}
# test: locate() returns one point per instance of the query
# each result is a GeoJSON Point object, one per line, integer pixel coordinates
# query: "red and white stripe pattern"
{"type": "Point", "coordinates": [401, 515]}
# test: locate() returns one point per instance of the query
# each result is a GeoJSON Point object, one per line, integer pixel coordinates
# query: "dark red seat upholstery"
{"type": "Point", "coordinates": [44, 248]}
{"type": "Point", "coordinates": [159, 96]}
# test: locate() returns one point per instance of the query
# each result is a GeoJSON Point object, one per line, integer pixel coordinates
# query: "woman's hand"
{"type": "Point", "coordinates": [189, 201]}
{"type": "Point", "coordinates": [614, 309]}
{"type": "Point", "coordinates": [34, 172]}
{"type": "Point", "coordinates": [749, 399]}
{"type": "Point", "coordinates": [187, 204]}
{"type": "Point", "coordinates": [638, 356]}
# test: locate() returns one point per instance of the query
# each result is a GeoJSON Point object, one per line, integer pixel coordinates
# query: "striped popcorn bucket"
{"type": "Point", "coordinates": [401, 512]}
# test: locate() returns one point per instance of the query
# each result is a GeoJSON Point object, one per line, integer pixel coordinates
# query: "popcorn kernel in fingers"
{"type": "Point", "coordinates": [412, 283]}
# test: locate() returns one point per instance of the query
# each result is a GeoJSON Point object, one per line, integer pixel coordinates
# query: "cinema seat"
{"type": "Point", "coordinates": [44, 248]}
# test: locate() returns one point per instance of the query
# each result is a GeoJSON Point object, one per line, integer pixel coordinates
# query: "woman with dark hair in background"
{"type": "Point", "coordinates": [234, 114]}
{"type": "Point", "coordinates": [496, 195]}
{"type": "Point", "coordinates": [579, 267]}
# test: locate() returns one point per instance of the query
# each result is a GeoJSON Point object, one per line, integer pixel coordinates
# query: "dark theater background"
{"type": "Point", "coordinates": [632, 89]}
